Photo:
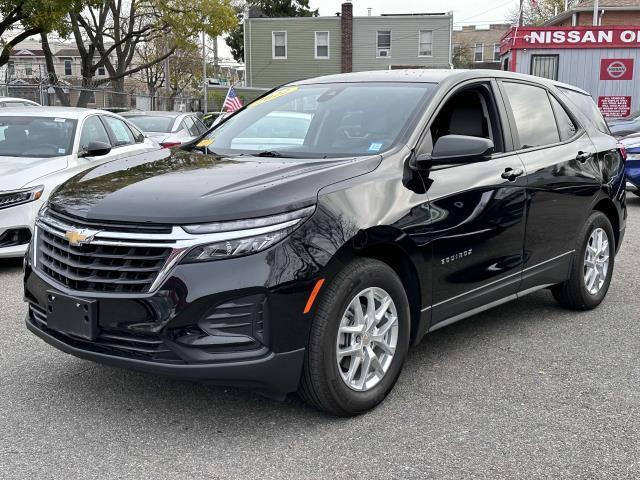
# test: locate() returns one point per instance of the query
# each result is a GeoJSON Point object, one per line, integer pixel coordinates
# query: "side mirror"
{"type": "Point", "coordinates": [456, 150]}
{"type": "Point", "coordinates": [96, 149]}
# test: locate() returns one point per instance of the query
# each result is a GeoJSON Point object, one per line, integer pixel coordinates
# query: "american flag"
{"type": "Point", "coordinates": [232, 102]}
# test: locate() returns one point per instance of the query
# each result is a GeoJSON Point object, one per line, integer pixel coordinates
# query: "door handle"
{"type": "Point", "coordinates": [512, 173]}
{"type": "Point", "coordinates": [583, 156]}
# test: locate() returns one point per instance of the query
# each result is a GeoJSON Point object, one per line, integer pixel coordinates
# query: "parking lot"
{"type": "Point", "coordinates": [527, 390]}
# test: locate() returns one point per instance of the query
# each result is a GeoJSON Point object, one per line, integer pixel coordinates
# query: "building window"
{"type": "Point", "coordinates": [383, 43]}
{"type": "Point", "coordinates": [478, 52]}
{"type": "Point", "coordinates": [496, 52]}
{"type": "Point", "coordinates": [545, 66]}
{"type": "Point", "coordinates": [101, 71]}
{"type": "Point", "coordinates": [279, 45]}
{"type": "Point", "coordinates": [67, 67]}
{"type": "Point", "coordinates": [322, 44]}
{"type": "Point", "coordinates": [425, 43]}
{"type": "Point", "coordinates": [28, 70]}
{"type": "Point", "coordinates": [11, 69]}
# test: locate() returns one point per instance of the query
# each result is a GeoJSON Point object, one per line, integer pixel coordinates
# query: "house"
{"type": "Point", "coordinates": [478, 47]}
{"type": "Point", "coordinates": [610, 12]}
{"type": "Point", "coordinates": [281, 50]}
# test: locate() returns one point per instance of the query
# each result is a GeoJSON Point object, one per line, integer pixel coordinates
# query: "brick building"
{"type": "Point", "coordinates": [478, 47]}
{"type": "Point", "coordinates": [610, 12]}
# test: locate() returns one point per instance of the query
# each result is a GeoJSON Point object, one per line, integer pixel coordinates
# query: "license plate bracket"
{"type": "Point", "coordinates": [72, 315]}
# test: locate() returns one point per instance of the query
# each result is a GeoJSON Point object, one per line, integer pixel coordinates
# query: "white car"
{"type": "Point", "coordinates": [169, 129]}
{"type": "Point", "coordinates": [41, 147]}
{"type": "Point", "coordinates": [17, 102]}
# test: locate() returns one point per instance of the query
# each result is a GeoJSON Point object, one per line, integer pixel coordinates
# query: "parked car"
{"type": "Point", "coordinates": [632, 165]}
{"type": "Point", "coordinates": [417, 198]}
{"type": "Point", "coordinates": [16, 102]}
{"type": "Point", "coordinates": [621, 127]}
{"type": "Point", "coordinates": [41, 147]}
{"type": "Point", "coordinates": [169, 129]}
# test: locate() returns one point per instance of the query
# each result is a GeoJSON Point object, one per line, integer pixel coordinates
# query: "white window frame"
{"type": "Point", "coordinates": [475, 47]}
{"type": "Point", "coordinates": [420, 42]}
{"type": "Point", "coordinates": [315, 45]}
{"type": "Point", "coordinates": [273, 45]}
{"type": "Point", "coordinates": [496, 48]}
{"type": "Point", "coordinates": [390, 44]}
{"type": "Point", "coordinates": [64, 64]}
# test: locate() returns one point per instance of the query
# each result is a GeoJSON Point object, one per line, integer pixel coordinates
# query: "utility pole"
{"type": "Point", "coordinates": [204, 70]}
{"type": "Point", "coordinates": [520, 17]}
{"type": "Point", "coordinates": [596, 11]}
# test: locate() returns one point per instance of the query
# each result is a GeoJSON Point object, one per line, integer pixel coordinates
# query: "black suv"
{"type": "Point", "coordinates": [305, 242]}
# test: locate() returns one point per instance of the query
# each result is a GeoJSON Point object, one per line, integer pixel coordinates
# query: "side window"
{"type": "Point", "coordinates": [137, 134]}
{"type": "Point", "coordinates": [471, 112]}
{"type": "Point", "coordinates": [566, 127]}
{"type": "Point", "coordinates": [191, 128]}
{"type": "Point", "coordinates": [121, 133]}
{"type": "Point", "coordinates": [93, 131]}
{"type": "Point", "coordinates": [201, 127]}
{"type": "Point", "coordinates": [533, 115]}
{"type": "Point", "coordinates": [588, 108]}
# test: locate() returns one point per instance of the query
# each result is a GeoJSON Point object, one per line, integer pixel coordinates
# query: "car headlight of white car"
{"type": "Point", "coordinates": [11, 198]}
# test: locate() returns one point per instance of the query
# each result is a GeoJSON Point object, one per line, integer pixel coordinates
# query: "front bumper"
{"type": "Point", "coordinates": [272, 372]}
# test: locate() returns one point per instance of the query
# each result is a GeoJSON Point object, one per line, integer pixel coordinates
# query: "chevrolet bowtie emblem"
{"type": "Point", "coordinates": [77, 238]}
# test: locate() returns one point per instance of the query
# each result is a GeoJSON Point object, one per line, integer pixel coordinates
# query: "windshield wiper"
{"type": "Point", "coordinates": [269, 153]}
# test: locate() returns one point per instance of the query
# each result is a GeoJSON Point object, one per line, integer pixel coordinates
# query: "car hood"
{"type": "Point", "coordinates": [16, 172]}
{"type": "Point", "coordinates": [182, 187]}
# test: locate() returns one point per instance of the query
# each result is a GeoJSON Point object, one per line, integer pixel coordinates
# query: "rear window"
{"type": "Point", "coordinates": [149, 123]}
{"type": "Point", "coordinates": [588, 108]}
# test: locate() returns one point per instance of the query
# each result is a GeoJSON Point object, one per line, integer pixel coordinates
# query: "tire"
{"type": "Point", "coordinates": [574, 293]}
{"type": "Point", "coordinates": [322, 384]}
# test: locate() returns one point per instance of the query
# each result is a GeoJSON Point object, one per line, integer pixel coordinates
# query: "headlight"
{"type": "Point", "coordinates": [18, 197]}
{"type": "Point", "coordinates": [244, 237]}
{"type": "Point", "coordinates": [633, 156]}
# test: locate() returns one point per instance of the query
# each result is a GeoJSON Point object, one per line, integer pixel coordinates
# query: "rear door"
{"type": "Point", "coordinates": [562, 174]}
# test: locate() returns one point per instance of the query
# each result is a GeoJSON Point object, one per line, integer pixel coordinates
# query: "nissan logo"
{"type": "Point", "coordinates": [616, 69]}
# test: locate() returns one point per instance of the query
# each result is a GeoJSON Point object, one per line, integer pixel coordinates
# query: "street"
{"type": "Point", "coordinates": [526, 390]}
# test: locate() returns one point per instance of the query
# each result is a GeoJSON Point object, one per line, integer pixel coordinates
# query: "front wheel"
{"type": "Point", "coordinates": [358, 341]}
{"type": "Point", "coordinates": [592, 266]}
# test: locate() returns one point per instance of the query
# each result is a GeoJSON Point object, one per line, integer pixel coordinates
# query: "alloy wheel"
{"type": "Point", "coordinates": [367, 339]}
{"type": "Point", "coordinates": [596, 261]}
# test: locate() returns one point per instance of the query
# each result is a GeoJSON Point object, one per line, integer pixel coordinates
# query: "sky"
{"type": "Point", "coordinates": [465, 12]}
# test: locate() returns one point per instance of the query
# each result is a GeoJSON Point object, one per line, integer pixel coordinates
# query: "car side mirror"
{"type": "Point", "coordinates": [456, 150]}
{"type": "Point", "coordinates": [96, 149]}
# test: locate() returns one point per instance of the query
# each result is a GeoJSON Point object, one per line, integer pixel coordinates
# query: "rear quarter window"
{"type": "Point", "coordinates": [587, 109]}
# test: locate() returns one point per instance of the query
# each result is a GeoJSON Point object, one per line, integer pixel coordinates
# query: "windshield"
{"type": "Point", "coordinates": [322, 121]}
{"type": "Point", "coordinates": [151, 123]}
{"type": "Point", "coordinates": [36, 136]}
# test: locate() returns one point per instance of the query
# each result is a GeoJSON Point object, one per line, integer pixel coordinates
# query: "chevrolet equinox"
{"type": "Point", "coordinates": [308, 240]}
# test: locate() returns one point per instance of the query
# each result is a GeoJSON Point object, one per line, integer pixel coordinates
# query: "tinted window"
{"type": "Point", "coordinates": [566, 127]}
{"type": "Point", "coordinates": [588, 108]}
{"type": "Point", "coordinates": [152, 123]}
{"type": "Point", "coordinates": [93, 131]}
{"type": "Point", "coordinates": [36, 136]}
{"type": "Point", "coordinates": [534, 118]}
{"type": "Point", "coordinates": [121, 133]}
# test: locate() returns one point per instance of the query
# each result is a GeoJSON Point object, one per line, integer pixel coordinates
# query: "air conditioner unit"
{"type": "Point", "coordinates": [383, 52]}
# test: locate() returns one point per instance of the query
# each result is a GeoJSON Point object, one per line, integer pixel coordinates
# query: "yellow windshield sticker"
{"type": "Point", "coordinates": [204, 143]}
{"type": "Point", "coordinates": [273, 95]}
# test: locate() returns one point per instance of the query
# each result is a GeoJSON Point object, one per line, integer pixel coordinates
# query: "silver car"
{"type": "Point", "coordinates": [169, 129]}
{"type": "Point", "coordinates": [17, 102]}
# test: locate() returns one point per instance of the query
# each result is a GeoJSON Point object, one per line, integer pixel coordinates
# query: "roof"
{"type": "Point", "coordinates": [428, 76]}
{"type": "Point", "coordinates": [155, 113]}
{"type": "Point", "coordinates": [67, 52]}
{"type": "Point", "coordinates": [74, 113]}
{"type": "Point", "coordinates": [18, 99]}
{"type": "Point", "coordinates": [27, 52]}
{"type": "Point", "coordinates": [587, 6]}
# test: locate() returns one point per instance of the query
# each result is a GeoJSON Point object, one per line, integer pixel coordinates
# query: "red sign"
{"type": "Point", "coordinates": [615, 106]}
{"type": "Point", "coordinates": [571, 37]}
{"type": "Point", "coordinates": [616, 69]}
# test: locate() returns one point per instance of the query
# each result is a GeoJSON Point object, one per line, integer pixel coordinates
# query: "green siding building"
{"type": "Point", "coordinates": [281, 50]}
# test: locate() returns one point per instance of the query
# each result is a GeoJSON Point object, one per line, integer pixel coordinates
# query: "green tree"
{"type": "Point", "coordinates": [269, 8]}
{"type": "Point", "coordinates": [19, 19]}
{"type": "Point", "coordinates": [537, 13]}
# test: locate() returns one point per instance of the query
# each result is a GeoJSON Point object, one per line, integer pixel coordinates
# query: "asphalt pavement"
{"type": "Point", "coordinates": [526, 390]}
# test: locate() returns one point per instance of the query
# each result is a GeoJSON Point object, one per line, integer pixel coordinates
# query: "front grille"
{"type": "Point", "coordinates": [100, 268]}
{"type": "Point", "coordinates": [148, 347]}
{"type": "Point", "coordinates": [108, 264]}
{"type": "Point", "coordinates": [74, 221]}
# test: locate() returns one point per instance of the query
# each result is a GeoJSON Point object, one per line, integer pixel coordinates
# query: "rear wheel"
{"type": "Point", "coordinates": [592, 266]}
{"type": "Point", "coordinates": [359, 340]}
